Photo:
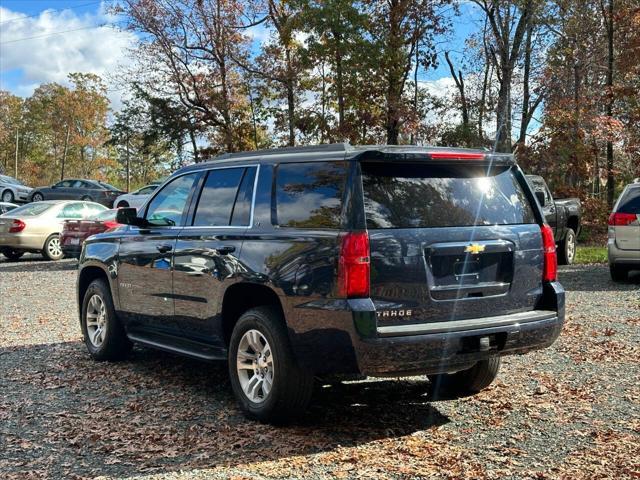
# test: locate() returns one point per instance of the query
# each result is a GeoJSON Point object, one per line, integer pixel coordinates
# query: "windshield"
{"type": "Point", "coordinates": [11, 180]}
{"type": "Point", "coordinates": [31, 209]}
{"type": "Point", "coordinates": [105, 216]}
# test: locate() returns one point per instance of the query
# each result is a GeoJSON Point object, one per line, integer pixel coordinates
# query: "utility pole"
{"type": "Point", "coordinates": [64, 155]}
{"type": "Point", "coordinates": [16, 162]}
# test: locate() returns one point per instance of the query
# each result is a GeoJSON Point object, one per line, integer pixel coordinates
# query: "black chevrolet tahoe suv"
{"type": "Point", "coordinates": [297, 263]}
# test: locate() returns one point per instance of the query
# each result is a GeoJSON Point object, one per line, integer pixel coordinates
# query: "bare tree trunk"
{"type": "Point", "coordinates": [459, 79]}
{"type": "Point", "coordinates": [413, 140]}
{"type": "Point", "coordinates": [526, 93]}
{"type": "Point", "coordinates": [610, 67]}
{"type": "Point", "coordinates": [339, 85]}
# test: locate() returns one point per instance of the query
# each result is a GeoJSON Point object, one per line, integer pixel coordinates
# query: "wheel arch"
{"type": "Point", "coordinates": [242, 296]}
{"type": "Point", "coordinates": [573, 222]}
{"type": "Point", "coordinates": [87, 275]}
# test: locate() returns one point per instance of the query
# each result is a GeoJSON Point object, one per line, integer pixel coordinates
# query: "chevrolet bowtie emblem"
{"type": "Point", "coordinates": [474, 248]}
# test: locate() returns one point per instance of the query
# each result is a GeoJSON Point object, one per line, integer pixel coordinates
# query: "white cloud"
{"type": "Point", "coordinates": [33, 52]}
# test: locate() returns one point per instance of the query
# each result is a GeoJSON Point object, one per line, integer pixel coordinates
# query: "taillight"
{"type": "Point", "coordinates": [353, 265]}
{"type": "Point", "coordinates": [17, 226]}
{"type": "Point", "coordinates": [550, 270]}
{"type": "Point", "coordinates": [111, 224]}
{"type": "Point", "coordinates": [621, 219]}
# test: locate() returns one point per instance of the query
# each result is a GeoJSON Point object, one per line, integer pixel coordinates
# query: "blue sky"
{"type": "Point", "coordinates": [33, 52]}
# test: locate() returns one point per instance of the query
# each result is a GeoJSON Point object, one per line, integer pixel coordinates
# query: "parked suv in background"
{"type": "Point", "coordinates": [564, 216]}
{"type": "Point", "coordinates": [624, 233]}
{"type": "Point", "coordinates": [78, 189]}
{"type": "Point", "coordinates": [297, 262]}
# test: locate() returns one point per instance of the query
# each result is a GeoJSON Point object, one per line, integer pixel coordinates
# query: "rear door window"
{"type": "Point", "coordinates": [630, 203]}
{"type": "Point", "coordinates": [309, 195]}
{"type": "Point", "coordinates": [218, 197]}
{"type": "Point", "coordinates": [419, 196]}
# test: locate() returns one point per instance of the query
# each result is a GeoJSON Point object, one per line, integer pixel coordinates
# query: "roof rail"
{"type": "Point", "coordinates": [328, 147]}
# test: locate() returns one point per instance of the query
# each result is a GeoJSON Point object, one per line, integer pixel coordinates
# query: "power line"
{"type": "Point", "coordinates": [55, 33]}
{"type": "Point", "coordinates": [48, 11]}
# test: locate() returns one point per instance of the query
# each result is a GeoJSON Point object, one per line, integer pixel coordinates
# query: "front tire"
{"type": "Point", "coordinates": [52, 249]}
{"type": "Point", "coordinates": [472, 380]}
{"type": "Point", "coordinates": [103, 333]}
{"type": "Point", "coordinates": [12, 254]}
{"type": "Point", "coordinates": [7, 196]}
{"type": "Point", "coordinates": [266, 380]}
{"type": "Point", "coordinates": [123, 204]}
{"type": "Point", "coordinates": [619, 273]}
{"type": "Point", "coordinates": [567, 250]}
{"type": "Point", "coordinates": [37, 197]}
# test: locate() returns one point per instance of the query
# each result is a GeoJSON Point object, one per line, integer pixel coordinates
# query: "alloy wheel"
{"type": "Point", "coordinates": [571, 247]}
{"type": "Point", "coordinates": [7, 196]}
{"type": "Point", "coordinates": [255, 365]}
{"type": "Point", "coordinates": [54, 249]}
{"type": "Point", "coordinates": [96, 320]}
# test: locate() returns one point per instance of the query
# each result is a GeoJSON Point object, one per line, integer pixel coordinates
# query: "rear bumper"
{"type": "Point", "coordinates": [617, 256]}
{"type": "Point", "coordinates": [352, 342]}
{"type": "Point", "coordinates": [72, 251]}
{"type": "Point", "coordinates": [22, 241]}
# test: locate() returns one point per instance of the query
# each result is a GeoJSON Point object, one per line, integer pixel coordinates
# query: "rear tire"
{"type": "Point", "coordinates": [567, 250]}
{"type": "Point", "coordinates": [289, 388]}
{"type": "Point", "coordinates": [12, 254]}
{"type": "Point", "coordinates": [86, 198]}
{"type": "Point", "coordinates": [7, 196]}
{"type": "Point", "coordinates": [472, 380]}
{"type": "Point", "coordinates": [104, 335]}
{"type": "Point", "coordinates": [619, 273]}
{"type": "Point", "coordinates": [52, 249]}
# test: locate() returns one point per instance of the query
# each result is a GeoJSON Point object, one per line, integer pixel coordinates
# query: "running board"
{"type": "Point", "coordinates": [179, 346]}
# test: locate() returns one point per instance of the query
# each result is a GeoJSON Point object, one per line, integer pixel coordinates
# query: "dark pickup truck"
{"type": "Point", "coordinates": [563, 216]}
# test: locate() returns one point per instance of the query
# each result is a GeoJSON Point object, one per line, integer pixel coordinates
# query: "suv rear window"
{"type": "Point", "coordinates": [630, 203]}
{"type": "Point", "coordinates": [417, 196]}
{"type": "Point", "coordinates": [309, 195]}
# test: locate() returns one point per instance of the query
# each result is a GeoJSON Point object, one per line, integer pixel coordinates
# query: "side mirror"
{"type": "Point", "coordinates": [129, 216]}
{"type": "Point", "coordinates": [540, 197]}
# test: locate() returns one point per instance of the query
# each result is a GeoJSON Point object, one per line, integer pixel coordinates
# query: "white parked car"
{"type": "Point", "coordinates": [624, 233]}
{"type": "Point", "coordinates": [12, 190]}
{"type": "Point", "coordinates": [135, 199]}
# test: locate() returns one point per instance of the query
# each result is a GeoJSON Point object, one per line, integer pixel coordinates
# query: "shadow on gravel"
{"type": "Point", "coordinates": [595, 278]}
{"type": "Point", "coordinates": [64, 415]}
{"type": "Point", "coordinates": [32, 265]}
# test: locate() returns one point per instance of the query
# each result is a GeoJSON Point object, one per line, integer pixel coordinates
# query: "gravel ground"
{"type": "Point", "coordinates": [571, 411]}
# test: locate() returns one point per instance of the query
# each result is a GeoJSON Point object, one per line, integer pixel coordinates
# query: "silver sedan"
{"type": "Point", "coordinates": [36, 227]}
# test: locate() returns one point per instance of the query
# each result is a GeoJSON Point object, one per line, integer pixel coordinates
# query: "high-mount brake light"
{"type": "Point", "coordinates": [17, 226]}
{"type": "Point", "coordinates": [622, 219]}
{"type": "Point", "coordinates": [550, 269]}
{"type": "Point", "coordinates": [354, 265]}
{"type": "Point", "coordinates": [457, 156]}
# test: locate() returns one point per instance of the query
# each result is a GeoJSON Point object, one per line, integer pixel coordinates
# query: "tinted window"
{"type": "Point", "coordinates": [108, 186]}
{"type": "Point", "coordinates": [241, 215]}
{"type": "Point", "coordinates": [630, 203]}
{"type": "Point", "coordinates": [65, 184]}
{"type": "Point", "coordinates": [217, 197]}
{"type": "Point", "coordinates": [167, 206]}
{"type": "Point", "coordinates": [410, 196]}
{"type": "Point", "coordinates": [309, 195]}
